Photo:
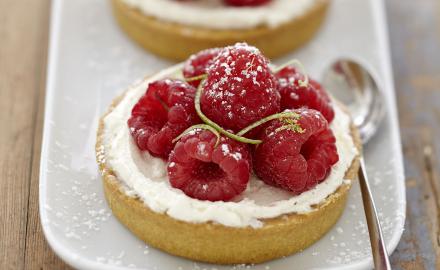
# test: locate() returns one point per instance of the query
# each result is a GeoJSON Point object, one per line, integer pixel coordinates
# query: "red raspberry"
{"type": "Point", "coordinates": [293, 160]}
{"type": "Point", "coordinates": [162, 114]}
{"type": "Point", "coordinates": [240, 88]}
{"type": "Point", "coordinates": [207, 172]}
{"type": "Point", "coordinates": [198, 64]}
{"type": "Point", "coordinates": [245, 2]}
{"type": "Point", "coordinates": [294, 96]}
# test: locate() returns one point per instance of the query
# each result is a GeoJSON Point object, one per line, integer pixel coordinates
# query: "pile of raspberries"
{"type": "Point", "coordinates": [238, 88]}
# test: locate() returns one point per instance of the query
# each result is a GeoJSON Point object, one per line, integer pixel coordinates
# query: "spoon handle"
{"type": "Point", "coordinates": [380, 255]}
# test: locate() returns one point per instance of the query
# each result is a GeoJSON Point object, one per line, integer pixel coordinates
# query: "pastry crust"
{"type": "Point", "coordinates": [176, 41]}
{"type": "Point", "coordinates": [216, 243]}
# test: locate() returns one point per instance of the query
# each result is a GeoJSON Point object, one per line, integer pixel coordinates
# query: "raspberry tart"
{"type": "Point", "coordinates": [227, 159]}
{"type": "Point", "coordinates": [175, 29]}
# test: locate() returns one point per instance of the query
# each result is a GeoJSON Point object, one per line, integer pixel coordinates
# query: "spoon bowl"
{"type": "Point", "coordinates": [355, 87]}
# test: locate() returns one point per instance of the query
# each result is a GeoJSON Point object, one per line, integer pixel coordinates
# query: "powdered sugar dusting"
{"type": "Point", "coordinates": [259, 201]}
{"type": "Point", "coordinates": [240, 88]}
{"type": "Point", "coordinates": [105, 70]}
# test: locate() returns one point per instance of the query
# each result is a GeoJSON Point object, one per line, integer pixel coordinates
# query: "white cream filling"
{"type": "Point", "coordinates": [146, 176]}
{"type": "Point", "coordinates": [214, 14]}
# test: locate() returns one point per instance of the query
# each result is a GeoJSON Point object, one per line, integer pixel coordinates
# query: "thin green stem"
{"type": "Point", "coordinates": [199, 126]}
{"type": "Point", "coordinates": [267, 119]}
{"type": "Point", "coordinates": [196, 78]}
{"type": "Point", "coordinates": [215, 125]}
{"type": "Point", "coordinates": [291, 125]}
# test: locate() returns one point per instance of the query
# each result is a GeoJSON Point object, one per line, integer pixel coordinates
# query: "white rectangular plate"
{"type": "Point", "coordinates": [91, 61]}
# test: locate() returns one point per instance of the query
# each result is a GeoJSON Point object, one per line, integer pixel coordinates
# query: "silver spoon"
{"type": "Point", "coordinates": [353, 85]}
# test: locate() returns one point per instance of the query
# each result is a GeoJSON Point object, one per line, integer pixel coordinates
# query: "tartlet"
{"type": "Point", "coordinates": [177, 41]}
{"type": "Point", "coordinates": [241, 228]}
{"type": "Point", "coordinates": [216, 243]}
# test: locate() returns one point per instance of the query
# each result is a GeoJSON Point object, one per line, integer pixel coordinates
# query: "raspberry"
{"type": "Point", "coordinates": [207, 172]}
{"type": "Point", "coordinates": [198, 63]}
{"type": "Point", "coordinates": [245, 2]}
{"type": "Point", "coordinates": [161, 114]}
{"type": "Point", "coordinates": [294, 96]}
{"type": "Point", "coordinates": [294, 160]}
{"type": "Point", "coordinates": [240, 88]}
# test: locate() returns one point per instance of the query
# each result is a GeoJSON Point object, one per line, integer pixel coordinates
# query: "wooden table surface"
{"type": "Point", "coordinates": [415, 43]}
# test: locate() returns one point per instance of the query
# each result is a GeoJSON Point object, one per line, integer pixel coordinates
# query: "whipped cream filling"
{"type": "Point", "coordinates": [216, 15]}
{"type": "Point", "coordinates": [145, 176]}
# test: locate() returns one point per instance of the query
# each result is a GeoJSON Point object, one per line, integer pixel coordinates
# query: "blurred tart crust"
{"type": "Point", "coordinates": [216, 243]}
{"type": "Point", "coordinates": [177, 41]}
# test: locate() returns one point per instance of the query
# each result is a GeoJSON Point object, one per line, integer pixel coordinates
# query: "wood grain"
{"type": "Point", "coordinates": [23, 33]}
{"type": "Point", "coordinates": [415, 43]}
{"type": "Point", "coordinates": [18, 104]}
{"type": "Point", "coordinates": [38, 254]}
